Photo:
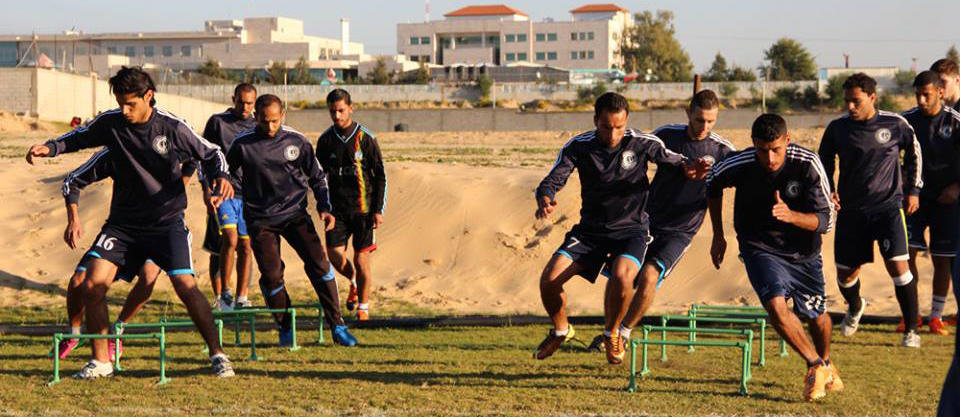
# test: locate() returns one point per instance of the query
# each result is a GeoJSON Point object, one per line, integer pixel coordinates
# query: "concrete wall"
{"type": "Point", "coordinates": [56, 96]}
{"type": "Point", "coordinates": [495, 120]}
{"type": "Point", "coordinates": [522, 92]}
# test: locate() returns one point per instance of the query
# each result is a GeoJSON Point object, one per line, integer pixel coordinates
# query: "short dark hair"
{"type": "Point", "coordinates": [243, 88]}
{"type": "Point", "coordinates": [768, 128]}
{"type": "Point", "coordinates": [705, 100]}
{"type": "Point", "coordinates": [862, 81]}
{"type": "Point", "coordinates": [926, 78]}
{"type": "Point", "coordinates": [267, 100]}
{"type": "Point", "coordinates": [610, 102]}
{"type": "Point", "coordinates": [945, 66]}
{"type": "Point", "coordinates": [338, 94]}
{"type": "Point", "coordinates": [132, 80]}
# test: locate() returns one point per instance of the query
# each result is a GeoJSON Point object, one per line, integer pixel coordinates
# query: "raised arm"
{"type": "Point", "coordinates": [87, 136]}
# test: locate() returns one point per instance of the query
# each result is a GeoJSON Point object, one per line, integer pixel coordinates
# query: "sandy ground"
{"type": "Point", "coordinates": [460, 235]}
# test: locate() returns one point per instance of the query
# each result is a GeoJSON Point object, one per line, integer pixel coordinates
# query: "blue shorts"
{"type": "Point", "coordinates": [126, 273]}
{"type": "Point", "coordinates": [230, 216]}
{"type": "Point", "coordinates": [772, 276]}
{"type": "Point", "coordinates": [942, 220]}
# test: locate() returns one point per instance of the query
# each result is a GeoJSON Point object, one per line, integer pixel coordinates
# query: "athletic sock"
{"type": "Point", "coordinates": [363, 306]}
{"type": "Point", "coordinates": [75, 330]}
{"type": "Point", "coordinates": [906, 291]}
{"type": "Point", "coordinates": [851, 293]}
{"type": "Point", "coordinates": [936, 308]}
{"type": "Point", "coordinates": [625, 331]}
{"type": "Point", "coordinates": [607, 333]}
{"type": "Point", "coordinates": [561, 332]}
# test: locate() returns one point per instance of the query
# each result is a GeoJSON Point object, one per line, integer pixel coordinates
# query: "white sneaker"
{"type": "Point", "coordinates": [222, 366]}
{"type": "Point", "coordinates": [224, 305]}
{"type": "Point", "coordinates": [94, 369]}
{"type": "Point", "coordinates": [851, 322]}
{"type": "Point", "coordinates": [911, 339]}
{"type": "Point", "coordinates": [245, 303]}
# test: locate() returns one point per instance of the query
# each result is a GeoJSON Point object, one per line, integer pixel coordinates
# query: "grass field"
{"type": "Point", "coordinates": [464, 372]}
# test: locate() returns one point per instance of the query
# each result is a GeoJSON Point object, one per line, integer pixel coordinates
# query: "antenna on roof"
{"type": "Point", "coordinates": [426, 10]}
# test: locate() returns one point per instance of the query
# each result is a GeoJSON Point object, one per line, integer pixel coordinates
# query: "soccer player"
{"type": "Point", "coordinates": [950, 75]}
{"type": "Point", "coordinates": [98, 167]}
{"type": "Point", "coordinates": [870, 196]}
{"type": "Point", "coordinates": [612, 165]}
{"type": "Point", "coordinates": [781, 208]}
{"type": "Point", "coordinates": [146, 212]}
{"type": "Point", "coordinates": [677, 203]}
{"type": "Point", "coordinates": [277, 167]}
{"type": "Point", "coordinates": [349, 154]}
{"type": "Point", "coordinates": [937, 130]}
{"type": "Point", "coordinates": [221, 130]}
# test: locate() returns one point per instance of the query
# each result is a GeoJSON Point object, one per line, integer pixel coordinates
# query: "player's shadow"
{"type": "Point", "coordinates": [428, 378]}
{"type": "Point", "coordinates": [19, 283]}
{"type": "Point", "coordinates": [732, 382]}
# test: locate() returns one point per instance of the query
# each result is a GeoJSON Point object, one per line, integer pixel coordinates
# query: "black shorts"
{"type": "Point", "coordinates": [124, 273]}
{"type": "Point", "coordinates": [856, 232]}
{"type": "Point", "coordinates": [357, 226]}
{"type": "Point", "coordinates": [168, 245]}
{"type": "Point", "coordinates": [592, 252]}
{"type": "Point", "coordinates": [943, 223]}
{"type": "Point", "coordinates": [773, 276]}
{"type": "Point", "coordinates": [666, 249]}
{"type": "Point", "coordinates": [211, 239]}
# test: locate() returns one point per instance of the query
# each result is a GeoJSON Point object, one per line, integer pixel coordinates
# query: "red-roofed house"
{"type": "Point", "coordinates": [498, 34]}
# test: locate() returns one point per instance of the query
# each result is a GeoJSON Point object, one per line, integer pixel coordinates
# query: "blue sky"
{"type": "Point", "coordinates": [874, 33]}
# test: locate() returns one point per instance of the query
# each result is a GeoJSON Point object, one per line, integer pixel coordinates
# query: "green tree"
{"type": "Point", "coordinates": [276, 72]}
{"type": "Point", "coordinates": [953, 54]}
{"type": "Point", "coordinates": [739, 73]}
{"type": "Point", "coordinates": [728, 90]}
{"type": "Point", "coordinates": [903, 82]}
{"type": "Point", "coordinates": [379, 74]}
{"type": "Point", "coordinates": [212, 68]}
{"type": "Point", "coordinates": [422, 74]}
{"type": "Point", "coordinates": [301, 73]}
{"type": "Point", "coordinates": [485, 83]}
{"type": "Point", "coordinates": [834, 90]}
{"type": "Point", "coordinates": [790, 61]}
{"type": "Point", "coordinates": [718, 69]}
{"type": "Point", "coordinates": [650, 44]}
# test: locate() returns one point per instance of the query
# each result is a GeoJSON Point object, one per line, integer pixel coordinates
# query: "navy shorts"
{"type": "Point", "coordinates": [125, 273]}
{"type": "Point", "coordinates": [211, 239]}
{"type": "Point", "coordinates": [666, 249]}
{"type": "Point", "coordinates": [942, 221]}
{"type": "Point", "coordinates": [167, 245]}
{"type": "Point", "coordinates": [773, 276]}
{"type": "Point", "coordinates": [592, 252]}
{"type": "Point", "coordinates": [856, 232]}
{"type": "Point", "coordinates": [357, 226]}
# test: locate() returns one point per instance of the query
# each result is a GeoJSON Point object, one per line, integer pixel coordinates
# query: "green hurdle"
{"type": "Point", "coordinates": [163, 324]}
{"type": "Point", "coordinates": [117, 337]}
{"type": "Point", "coordinates": [700, 310]}
{"type": "Point", "coordinates": [250, 313]}
{"type": "Point", "coordinates": [745, 347]}
{"type": "Point", "coordinates": [759, 322]}
{"type": "Point", "coordinates": [319, 308]}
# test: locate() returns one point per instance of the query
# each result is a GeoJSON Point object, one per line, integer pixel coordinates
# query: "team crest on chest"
{"type": "Point", "coordinates": [946, 131]}
{"type": "Point", "coordinates": [160, 145]}
{"type": "Point", "coordinates": [628, 160]}
{"type": "Point", "coordinates": [793, 189]}
{"type": "Point", "coordinates": [291, 153]}
{"type": "Point", "coordinates": [883, 136]}
{"type": "Point", "coordinates": [709, 159]}
{"type": "Point", "coordinates": [358, 156]}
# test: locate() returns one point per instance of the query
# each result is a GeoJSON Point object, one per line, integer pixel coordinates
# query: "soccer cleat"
{"type": "Point", "coordinates": [352, 298]}
{"type": "Point", "coordinates": [225, 303]}
{"type": "Point", "coordinates": [93, 370]}
{"type": "Point", "coordinates": [814, 384]}
{"type": "Point", "coordinates": [286, 338]}
{"type": "Point", "coordinates": [67, 346]}
{"type": "Point", "coordinates": [363, 315]}
{"type": "Point", "coordinates": [597, 344]}
{"type": "Point", "coordinates": [937, 327]}
{"type": "Point", "coordinates": [552, 342]}
{"type": "Point", "coordinates": [342, 336]}
{"type": "Point", "coordinates": [902, 327]}
{"type": "Point", "coordinates": [851, 321]}
{"type": "Point", "coordinates": [614, 348]}
{"type": "Point", "coordinates": [911, 339]}
{"type": "Point", "coordinates": [834, 383]}
{"type": "Point", "coordinates": [222, 366]}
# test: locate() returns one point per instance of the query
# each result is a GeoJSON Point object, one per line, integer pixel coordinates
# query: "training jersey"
{"type": "Point", "coordinates": [354, 167]}
{"type": "Point", "coordinates": [613, 182]}
{"type": "Point", "coordinates": [678, 203]}
{"type": "Point", "coordinates": [148, 159]}
{"type": "Point", "coordinates": [939, 138]}
{"type": "Point", "coordinates": [803, 186]}
{"type": "Point", "coordinates": [276, 174]}
{"type": "Point", "coordinates": [869, 151]}
{"type": "Point", "coordinates": [222, 129]}
{"type": "Point", "coordinates": [98, 167]}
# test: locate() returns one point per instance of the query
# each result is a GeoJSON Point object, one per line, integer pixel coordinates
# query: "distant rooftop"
{"type": "Point", "coordinates": [485, 10]}
{"type": "Point", "coordinates": [592, 8]}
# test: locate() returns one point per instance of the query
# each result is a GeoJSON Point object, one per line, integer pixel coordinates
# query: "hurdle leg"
{"type": "Point", "coordinates": [744, 374]}
{"type": "Point", "coordinates": [293, 318]}
{"type": "Point", "coordinates": [762, 360]}
{"type": "Point", "coordinates": [253, 338]}
{"type": "Point", "coordinates": [632, 386]}
{"type": "Point", "coordinates": [163, 357]}
{"type": "Point", "coordinates": [56, 360]}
